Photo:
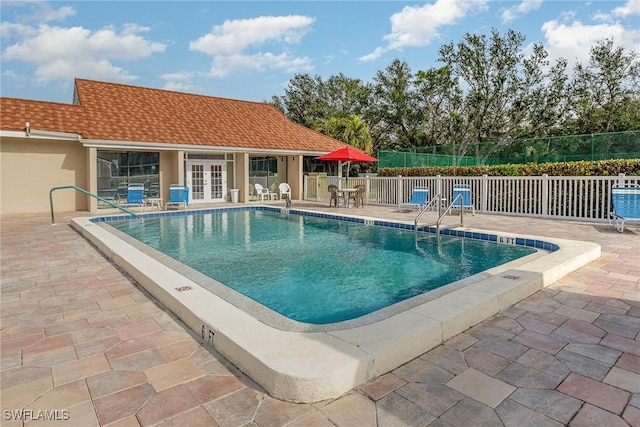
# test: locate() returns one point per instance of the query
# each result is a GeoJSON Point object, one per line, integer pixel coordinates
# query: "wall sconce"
{"type": "Point", "coordinates": [27, 128]}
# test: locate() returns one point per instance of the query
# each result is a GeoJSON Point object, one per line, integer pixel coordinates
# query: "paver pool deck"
{"type": "Point", "coordinates": [80, 342]}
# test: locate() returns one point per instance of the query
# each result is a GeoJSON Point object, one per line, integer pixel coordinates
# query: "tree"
{"type": "Point", "coordinates": [606, 95]}
{"type": "Point", "coordinates": [440, 99]}
{"type": "Point", "coordinates": [302, 101]}
{"type": "Point", "coordinates": [393, 115]}
{"type": "Point", "coordinates": [350, 129]}
{"type": "Point", "coordinates": [506, 93]}
{"type": "Point", "coordinates": [344, 96]}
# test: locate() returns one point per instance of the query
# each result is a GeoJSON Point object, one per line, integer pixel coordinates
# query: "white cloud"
{"type": "Point", "coordinates": [522, 8]}
{"type": "Point", "coordinates": [244, 44]}
{"type": "Point", "coordinates": [65, 53]}
{"type": "Point", "coordinates": [630, 8]}
{"type": "Point", "coordinates": [180, 82]}
{"type": "Point", "coordinates": [377, 53]}
{"type": "Point", "coordinates": [224, 64]}
{"type": "Point", "coordinates": [37, 11]}
{"type": "Point", "coordinates": [419, 26]}
{"type": "Point", "coordinates": [574, 41]}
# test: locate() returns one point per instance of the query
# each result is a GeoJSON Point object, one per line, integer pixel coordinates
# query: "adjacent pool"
{"type": "Point", "coordinates": [316, 269]}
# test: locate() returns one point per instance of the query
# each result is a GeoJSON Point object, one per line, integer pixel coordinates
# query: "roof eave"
{"type": "Point", "coordinates": [164, 146]}
{"type": "Point", "coordinates": [41, 134]}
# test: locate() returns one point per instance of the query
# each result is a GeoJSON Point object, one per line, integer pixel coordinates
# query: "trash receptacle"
{"type": "Point", "coordinates": [234, 195]}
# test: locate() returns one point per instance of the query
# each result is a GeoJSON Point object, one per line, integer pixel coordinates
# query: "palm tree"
{"type": "Point", "coordinates": [349, 129]}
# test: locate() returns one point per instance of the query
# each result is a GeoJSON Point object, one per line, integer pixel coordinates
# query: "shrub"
{"type": "Point", "coordinates": [629, 167]}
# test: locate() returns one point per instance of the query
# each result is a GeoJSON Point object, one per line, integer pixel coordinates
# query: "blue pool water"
{"type": "Point", "coordinates": [313, 269]}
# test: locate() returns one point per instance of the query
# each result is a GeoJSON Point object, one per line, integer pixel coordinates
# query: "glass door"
{"type": "Point", "coordinates": [207, 180]}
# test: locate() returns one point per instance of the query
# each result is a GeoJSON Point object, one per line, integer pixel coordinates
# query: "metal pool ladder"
{"type": "Point", "coordinates": [82, 190]}
{"type": "Point", "coordinates": [437, 200]}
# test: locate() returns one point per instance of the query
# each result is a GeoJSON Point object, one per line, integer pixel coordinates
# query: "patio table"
{"type": "Point", "coordinates": [346, 192]}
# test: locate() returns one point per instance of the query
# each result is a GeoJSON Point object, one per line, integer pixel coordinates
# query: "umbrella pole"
{"type": "Point", "coordinates": [348, 170]}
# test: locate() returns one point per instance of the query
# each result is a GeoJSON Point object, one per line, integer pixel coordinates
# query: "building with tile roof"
{"type": "Point", "coordinates": [114, 134]}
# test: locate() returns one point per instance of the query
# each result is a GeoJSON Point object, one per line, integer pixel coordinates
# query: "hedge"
{"type": "Point", "coordinates": [629, 167]}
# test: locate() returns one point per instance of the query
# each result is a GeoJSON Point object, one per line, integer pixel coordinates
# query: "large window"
{"type": "Point", "coordinates": [116, 170]}
{"type": "Point", "coordinates": [264, 171]}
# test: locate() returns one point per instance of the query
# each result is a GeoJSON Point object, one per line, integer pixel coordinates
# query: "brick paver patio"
{"type": "Point", "coordinates": [83, 344]}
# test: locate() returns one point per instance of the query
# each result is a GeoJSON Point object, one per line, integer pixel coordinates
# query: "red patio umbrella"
{"type": "Point", "coordinates": [348, 154]}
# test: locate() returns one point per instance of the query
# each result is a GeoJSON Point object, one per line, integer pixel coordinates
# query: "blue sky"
{"type": "Point", "coordinates": [249, 50]}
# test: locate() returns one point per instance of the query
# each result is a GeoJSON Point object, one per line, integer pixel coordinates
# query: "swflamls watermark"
{"type": "Point", "coordinates": [36, 414]}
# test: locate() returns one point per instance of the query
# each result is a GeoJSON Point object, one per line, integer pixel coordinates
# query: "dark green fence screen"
{"type": "Point", "coordinates": [568, 148]}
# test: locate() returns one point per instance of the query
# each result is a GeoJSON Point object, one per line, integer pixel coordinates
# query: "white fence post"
{"type": "Point", "coordinates": [367, 188]}
{"type": "Point", "coordinates": [545, 195]}
{"type": "Point", "coordinates": [400, 191]}
{"type": "Point", "coordinates": [305, 185]}
{"type": "Point", "coordinates": [484, 193]}
{"type": "Point", "coordinates": [621, 177]}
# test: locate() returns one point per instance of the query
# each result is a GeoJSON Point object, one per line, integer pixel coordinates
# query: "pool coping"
{"type": "Point", "coordinates": [303, 366]}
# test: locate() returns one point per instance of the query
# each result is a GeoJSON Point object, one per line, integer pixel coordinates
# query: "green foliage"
{"type": "Point", "coordinates": [629, 167]}
{"type": "Point", "coordinates": [350, 130]}
{"type": "Point", "coordinates": [487, 87]}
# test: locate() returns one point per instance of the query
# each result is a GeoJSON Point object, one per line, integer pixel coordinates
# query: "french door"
{"type": "Point", "coordinates": [207, 181]}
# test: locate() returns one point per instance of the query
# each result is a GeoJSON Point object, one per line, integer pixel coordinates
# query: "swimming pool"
{"type": "Point", "coordinates": [301, 362]}
{"type": "Point", "coordinates": [316, 269]}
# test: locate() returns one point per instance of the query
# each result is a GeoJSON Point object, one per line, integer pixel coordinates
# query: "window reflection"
{"type": "Point", "coordinates": [115, 170]}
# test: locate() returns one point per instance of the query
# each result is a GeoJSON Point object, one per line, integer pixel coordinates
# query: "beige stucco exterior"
{"type": "Point", "coordinates": [31, 167]}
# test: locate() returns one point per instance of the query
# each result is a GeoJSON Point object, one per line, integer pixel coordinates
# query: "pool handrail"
{"type": "Point", "coordinates": [82, 190]}
{"type": "Point", "coordinates": [436, 201]}
{"type": "Point", "coordinates": [448, 209]}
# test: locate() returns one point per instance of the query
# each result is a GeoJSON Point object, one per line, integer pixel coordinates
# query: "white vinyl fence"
{"type": "Point", "coordinates": [578, 198]}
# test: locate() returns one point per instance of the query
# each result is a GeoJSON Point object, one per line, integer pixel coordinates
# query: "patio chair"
{"type": "Point", "coordinates": [153, 191]}
{"type": "Point", "coordinates": [135, 195]}
{"type": "Point", "coordinates": [357, 196]}
{"type": "Point", "coordinates": [178, 196]}
{"type": "Point", "coordinates": [419, 199]}
{"type": "Point", "coordinates": [626, 205]}
{"type": "Point", "coordinates": [121, 193]}
{"type": "Point", "coordinates": [285, 190]}
{"type": "Point", "coordinates": [464, 201]}
{"type": "Point", "coordinates": [262, 192]}
{"type": "Point", "coordinates": [333, 195]}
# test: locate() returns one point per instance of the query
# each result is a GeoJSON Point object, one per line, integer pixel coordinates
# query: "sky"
{"type": "Point", "coordinates": [249, 50]}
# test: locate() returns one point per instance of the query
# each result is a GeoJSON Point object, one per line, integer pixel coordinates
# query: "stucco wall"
{"type": "Point", "coordinates": [170, 172]}
{"type": "Point", "coordinates": [30, 167]}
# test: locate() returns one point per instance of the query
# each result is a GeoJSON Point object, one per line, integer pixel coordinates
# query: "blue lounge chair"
{"type": "Point", "coordinates": [178, 195]}
{"type": "Point", "coordinates": [419, 199]}
{"type": "Point", "coordinates": [135, 195]}
{"type": "Point", "coordinates": [626, 205]}
{"type": "Point", "coordinates": [464, 201]}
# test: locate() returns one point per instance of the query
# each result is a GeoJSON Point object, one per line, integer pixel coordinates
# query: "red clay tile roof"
{"type": "Point", "coordinates": [116, 112]}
